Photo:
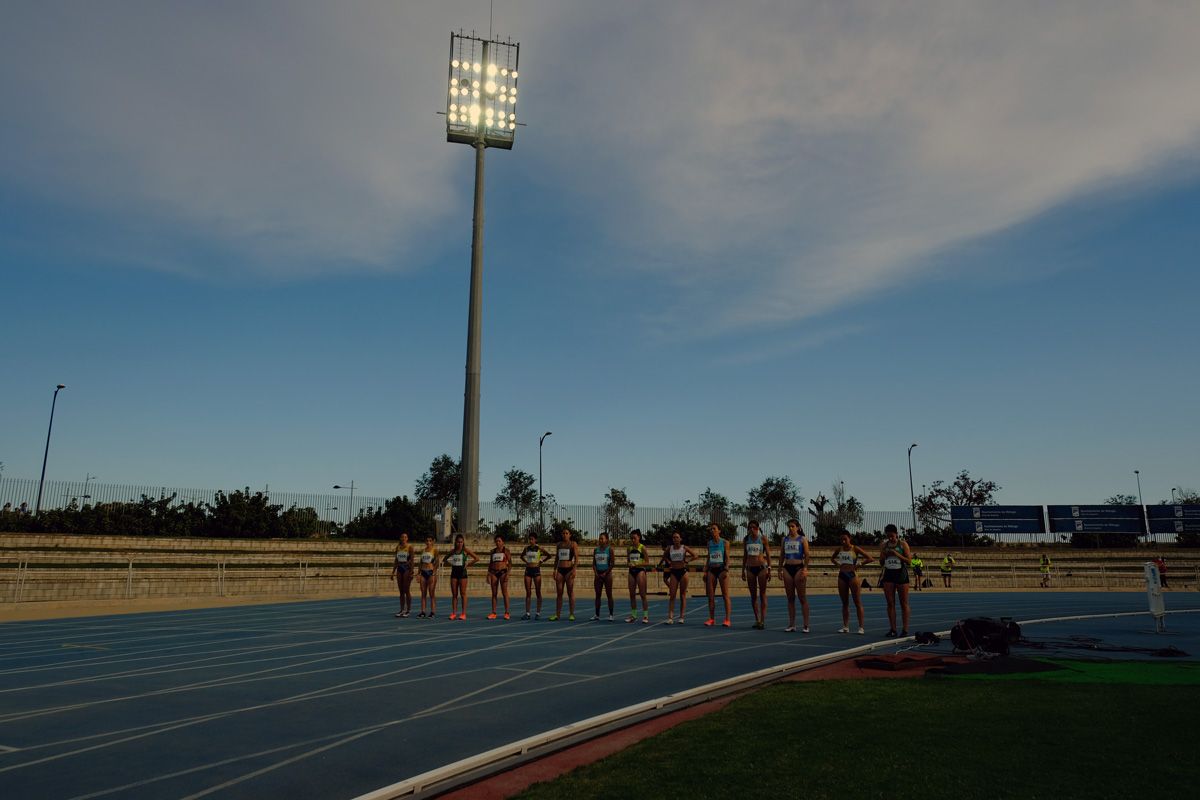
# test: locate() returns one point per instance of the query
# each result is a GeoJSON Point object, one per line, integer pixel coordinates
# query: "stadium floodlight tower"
{"type": "Point", "coordinates": [481, 110]}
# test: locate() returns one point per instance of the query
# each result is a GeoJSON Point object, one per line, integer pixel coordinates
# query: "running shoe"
{"type": "Point", "coordinates": [904, 632]}
{"type": "Point", "coordinates": [761, 626]}
{"type": "Point", "coordinates": [525, 615]}
{"type": "Point", "coordinates": [462, 617]}
{"type": "Point", "coordinates": [790, 629]}
{"type": "Point", "coordinates": [727, 623]}
{"type": "Point", "coordinates": [681, 619]}
{"type": "Point", "coordinates": [610, 617]}
{"type": "Point", "coordinates": [631, 618]}
{"type": "Point", "coordinates": [492, 615]}
{"type": "Point", "coordinates": [538, 615]}
{"type": "Point", "coordinates": [554, 618]}
{"type": "Point", "coordinates": [646, 620]}
{"type": "Point", "coordinates": [506, 616]}
{"type": "Point", "coordinates": [404, 615]}
{"type": "Point", "coordinates": [805, 629]}
{"type": "Point", "coordinates": [571, 618]}
{"type": "Point", "coordinates": [670, 620]}
{"type": "Point", "coordinates": [595, 618]}
{"type": "Point", "coordinates": [398, 614]}
{"type": "Point", "coordinates": [891, 634]}
{"type": "Point", "coordinates": [862, 631]}
{"type": "Point", "coordinates": [708, 623]}
{"type": "Point", "coordinates": [454, 616]}
{"type": "Point", "coordinates": [843, 629]}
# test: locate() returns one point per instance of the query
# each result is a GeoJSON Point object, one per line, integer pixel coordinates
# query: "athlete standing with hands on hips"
{"type": "Point", "coordinates": [498, 568]}
{"type": "Point", "coordinates": [533, 555]}
{"type": "Point", "coordinates": [847, 558]}
{"type": "Point", "coordinates": [458, 575]}
{"type": "Point", "coordinates": [564, 574]}
{"type": "Point", "coordinates": [639, 562]}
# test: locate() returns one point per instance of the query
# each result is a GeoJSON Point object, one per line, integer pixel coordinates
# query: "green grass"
{"type": "Point", "coordinates": [1157, 673]}
{"type": "Point", "coordinates": [926, 738]}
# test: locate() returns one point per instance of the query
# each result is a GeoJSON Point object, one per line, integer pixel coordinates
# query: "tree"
{"type": "Point", "coordinates": [832, 516]}
{"type": "Point", "coordinates": [933, 507]}
{"type": "Point", "coordinates": [439, 485]}
{"type": "Point", "coordinates": [612, 512]}
{"type": "Point", "coordinates": [1121, 500]}
{"type": "Point", "coordinates": [398, 515]}
{"type": "Point", "coordinates": [775, 500]}
{"type": "Point", "coordinates": [713, 507]}
{"type": "Point", "coordinates": [518, 494]}
{"type": "Point", "coordinates": [241, 513]}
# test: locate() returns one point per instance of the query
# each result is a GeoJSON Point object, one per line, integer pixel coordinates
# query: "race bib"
{"type": "Point", "coordinates": [426, 558]}
{"type": "Point", "coordinates": [564, 554]}
{"type": "Point", "coordinates": [532, 557]}
{"type": "Point", "coordinates": [892, 562]}
{"type": "Point", "coordinates": [402, 557]}
{"type": "Point", "coordinates": [716, 556]}
{"type": "Point", "coordinates": [676, 555]}
{"type": "Point", "coordinates": [791, 548]}
{"type": "Point", "coordinates": [601, 559]}
{"type": "Point", "coordinates": [635, 557]}
{"type": "Point", "coordinates": [846, 558]}
{"type": "Point", "coordinates": [754, 549]}
{"type": "Point", "coordinates": [497, 557]}
{"type": "Point", "coordinates": [457, 559]}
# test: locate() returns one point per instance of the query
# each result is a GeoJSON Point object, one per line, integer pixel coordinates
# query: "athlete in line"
{"type": "Point", "coordinates": [458, 575]}
{"type": "Point", "coordinates": [677, 557]}
{"type": "Point", "coordinates": [402, 574]}
{"type": "Point", "coordinates": [498, 569]}
{"type": "Point", "coordinates": [847, 558]}
{"type": "Point", "coordinates": [427, 576]}
{"type": "Point", "coordinates": [716, 572]}
{"type": "Point", "coordinates": [564, 574]}
{"type": "Point", "coordinates": [756, 571]}
{"type": "Point", "coordinates": [638, 563]}
{"type": "Point", "coordinates": [602, 564]}
{"type": "Point", "coordinates": [533, 555]}
{"type": "Point", "coordinates": [895, 556]}
{"type": "Point", "coordinates": [795, 573]}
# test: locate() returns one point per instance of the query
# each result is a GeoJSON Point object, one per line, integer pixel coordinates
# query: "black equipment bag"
{"type": "Point", "coordinates": [985, 633]}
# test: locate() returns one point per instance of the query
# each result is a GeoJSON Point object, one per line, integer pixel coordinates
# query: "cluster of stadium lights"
{"type": "Point", "coordinates": [482, 94]}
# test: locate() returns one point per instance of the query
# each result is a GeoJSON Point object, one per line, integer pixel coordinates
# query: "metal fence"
{"type": "Point", "coordinates": [340, 508]}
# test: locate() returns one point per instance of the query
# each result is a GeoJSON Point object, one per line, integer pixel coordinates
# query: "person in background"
{"type": "Point", "coordinates": [602, 571]}
{"type": "Point", "coordinates": [427, 576]}
{"type": "Point", "coordinates": [1161, 563]}
{"type": "Point", "coordinates": [1044, 566]}
{"type": "Point", "coordinates": [498, 568]}
{"type": "Point", "coordinates": [564, 574]}
{"type": "Point", "coordinates": [639, 562]}
{"type": "Point", "coordinates": [948, 569]}
{"type": "Point", "coordinates": [402, 574]}
{"type": "Point", "coordinates": [918, 567]}
{"type": "Point", "coordinates": [533, 555]}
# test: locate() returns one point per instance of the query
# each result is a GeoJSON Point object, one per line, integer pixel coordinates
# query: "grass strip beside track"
{"type": "Point", "coordinates": [1145, 673]}
{"type": "Point", "coordinates": [928, 738]}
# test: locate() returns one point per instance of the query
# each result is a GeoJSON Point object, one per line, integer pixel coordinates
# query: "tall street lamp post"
{"type": "Point", "coordinates": [37, 506]}
{"type": "Point", "coordinates": [1145, 522]}
{"type": "Point", "coordinates": [481, 110]}
{"type": "Point", "coordinates": [912, 496]}
{"type": "Point", "coordinates": [350, 510]}
{"type": "Point", "coordinates": [541, 505]}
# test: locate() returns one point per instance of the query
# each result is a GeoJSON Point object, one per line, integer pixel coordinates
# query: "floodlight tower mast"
{"type": "Point", "coordinates": [481, 110]}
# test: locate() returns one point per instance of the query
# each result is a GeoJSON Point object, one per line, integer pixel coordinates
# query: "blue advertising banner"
{"type": "Point", "coordinates": [996, 512]}
{"type": "Point", "coordinates": [1173, 512]}
{"type": "Point", "coordinates": [1180, 525]}
{"type": "Point", "coordinates": [1098, 519]}
{"type": "Point", "coordinates": [999, 526]}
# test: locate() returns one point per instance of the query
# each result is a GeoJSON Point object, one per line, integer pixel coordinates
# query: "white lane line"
{"type": "Point", "coordinates": [5, 749]}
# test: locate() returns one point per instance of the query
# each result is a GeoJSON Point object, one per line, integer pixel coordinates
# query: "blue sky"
{"type": "Point", "coordinates": [730, 243]}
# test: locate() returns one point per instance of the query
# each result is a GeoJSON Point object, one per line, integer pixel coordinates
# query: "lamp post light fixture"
{"type": "Point", "coordinates": [912, 496]}
{"type": "Point", "coordinates": [541, 505]}
{"type": "Point", "coordinates": [1145, 522]}
{"type": "Point", "coordinates": [350, 510]}
{"type": "Point", "coordinates": [37, 506]}
{"type": "Point", "coordinates": [481, 110]}
{"type": "Point", "coordinates": [87, 478]}
{"type": "Point", "coordinates": [1174, 489]}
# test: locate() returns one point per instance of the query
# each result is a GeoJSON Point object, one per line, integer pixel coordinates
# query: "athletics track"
{"type": "Point", "coordinates": [336, 699]}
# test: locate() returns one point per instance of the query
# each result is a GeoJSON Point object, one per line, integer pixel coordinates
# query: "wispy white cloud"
{"type": "Point", "coordinates": [770, 161]}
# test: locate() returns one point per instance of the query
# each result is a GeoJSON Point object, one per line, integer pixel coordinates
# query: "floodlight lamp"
{"type": "Point", "coordinates": [513, 90]}
{"type": "Point", "coordinates": [490, 86]}
{"type": "Point", "coordinates": [514, 73]}
{"type": "Point", "coordinates": [475, 94]}
{"type": "Point", "coordinates": [477, 66]}
{"type": "Point", "coordinates": [504, 71]}
{"type": "Point", "coordinates": [453, 117]}
{"type": "Point", "coordinates": [454, 63]}
{"type": "Point", "coordinates": [491, 70]}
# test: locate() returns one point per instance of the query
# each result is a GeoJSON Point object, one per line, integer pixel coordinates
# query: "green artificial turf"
{"type": "Point", "coordinates": [1146, 673]}
{"type": "Point", "coordinates": [914, 738]}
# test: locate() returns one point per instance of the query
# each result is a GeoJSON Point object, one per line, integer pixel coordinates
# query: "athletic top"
{"type": "Point", "coordinates": [754, 547]}
{"type": "Point", "coordinates": [566, 554]}
{"type": "Point", "coordinates": [402, 556]}
{"type": "Point", "coordinates": [675, 554]}
{"type": "Point", "coordinates": [716, 553]}
{"type": "Point", "coordinates": [793, 548]}
{"type": "Point", "coordinates": [602, 558]}
{"type": "Point", "coordinates": [427, 557]}
{"type": "Point", "coordinates": [497, 559]}
{"type": "Point", "coordinates": [847, 558]}
{"type": "Point", "coordinates": [457, 559]}
{"type": "Point", "coordinates": [892, 559]}
{"type": "Point", "coordinates": [532, 556]}
{"type": "Point", "coordinates": [637, 555]}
